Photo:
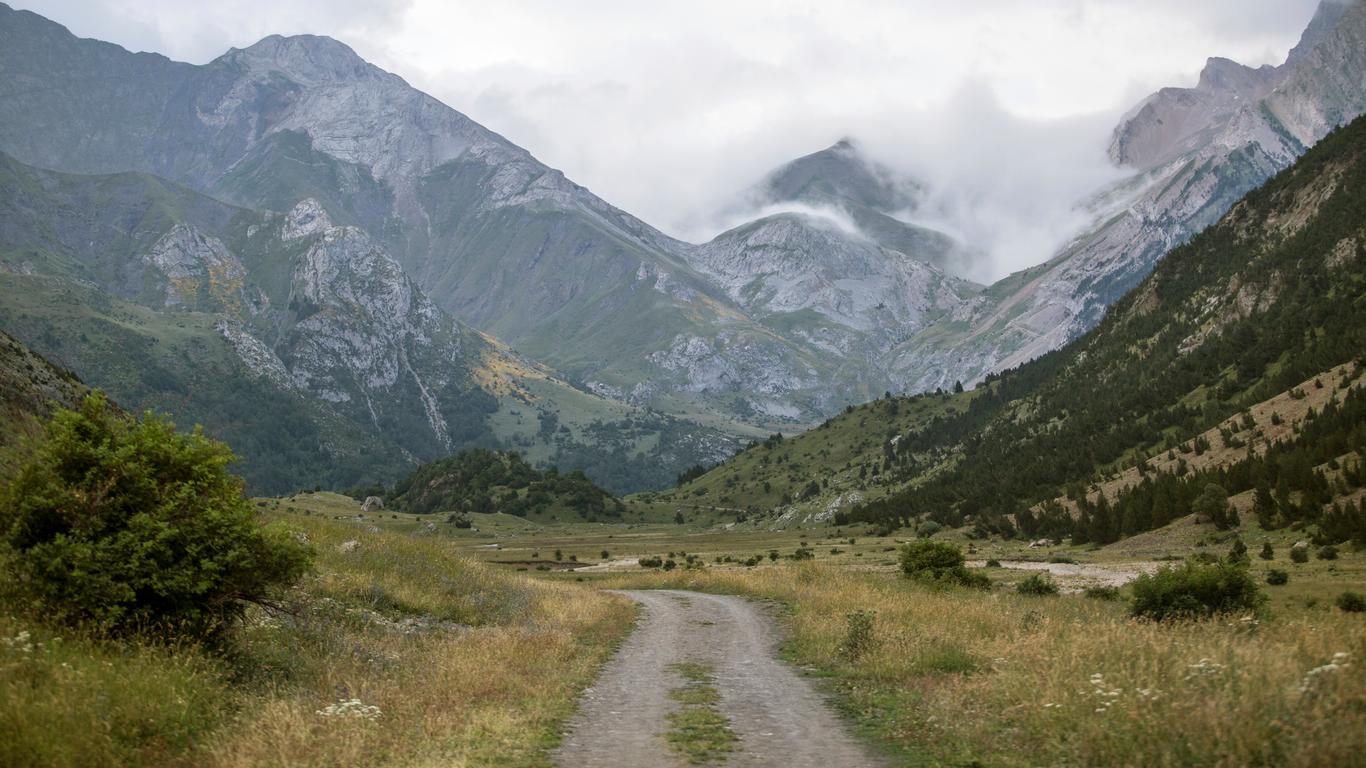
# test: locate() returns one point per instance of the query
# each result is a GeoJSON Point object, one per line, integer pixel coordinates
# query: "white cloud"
{"type": "Point", "coordinates": [668, 108]}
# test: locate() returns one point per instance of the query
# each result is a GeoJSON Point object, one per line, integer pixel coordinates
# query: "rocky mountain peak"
{"type": "Point", "coordinates": [1325, 20]}
{"type": "Point", "coordinates": [839, 174]}
{"type": "Point", "coordinates": [1221, 74]}
{"type": "Point", "coordinates": [306, 59]}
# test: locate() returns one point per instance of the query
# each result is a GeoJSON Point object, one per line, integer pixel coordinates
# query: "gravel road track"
{"type": "Point", "coordinates": [778, 717]}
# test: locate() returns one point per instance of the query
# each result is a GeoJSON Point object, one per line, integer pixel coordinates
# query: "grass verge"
{"type": "Point", "coordinates": [395, 651]}
{"type": "Point", "coordinates": [959, 676]}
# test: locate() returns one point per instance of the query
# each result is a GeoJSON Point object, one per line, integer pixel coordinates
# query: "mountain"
{"type": "Point", "coordinates": [301, 342]}
{"type": "Point", "coordinates": [1246, 342]}
{"type": "Point", "coordinates": [845, 180]}
{"type": "Point", "coordinates": [490, 234]}
{"type": "Point", "coordinates": [1194, 152]}
{"type": "Point", "coordinates": [823, 258]}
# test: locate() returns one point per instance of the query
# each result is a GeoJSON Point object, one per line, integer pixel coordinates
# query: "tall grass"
{"type": "Point", "coordinates": [448, 662]}
{"type": "Point", "coordinates": [959, 675]}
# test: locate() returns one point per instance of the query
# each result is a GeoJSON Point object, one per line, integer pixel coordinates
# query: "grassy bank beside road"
{"type": "Point", "coordinates": [955, 676]}
{"type": "Point", "coordinates": [395, 651]}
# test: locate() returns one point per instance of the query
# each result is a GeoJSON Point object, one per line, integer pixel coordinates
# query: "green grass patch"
{"type": "Point", "coordinates": [698, 731]}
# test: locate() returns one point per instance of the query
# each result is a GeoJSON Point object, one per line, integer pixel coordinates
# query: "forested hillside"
{"type": "Point", "coordinates": [495, 481]}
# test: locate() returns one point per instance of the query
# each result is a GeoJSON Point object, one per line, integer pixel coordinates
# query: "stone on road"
{"type": "Point", "coordinates": [778, 717]}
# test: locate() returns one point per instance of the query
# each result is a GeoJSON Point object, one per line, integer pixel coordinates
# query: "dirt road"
{"type": "Point", "coordinates": [776, 715]}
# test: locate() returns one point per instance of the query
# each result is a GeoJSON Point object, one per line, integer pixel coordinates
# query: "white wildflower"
{"type": "Point", "coordinates": [1311, 678]}
{"type": "Point", "coordinates": [1204, 668]}
{"type": "Point", "coordinates": [21, 642]}
{"type": "Point", "coordinates": [350, 709]}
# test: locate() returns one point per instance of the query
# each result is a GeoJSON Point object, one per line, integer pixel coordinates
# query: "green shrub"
{"type": "Point", "coordinates": [858, 639]}
{"type": "Point", "coordinates": [1329, 552]}
{"type": "Point", "coordinates": [1299, 554]}
{"type": "Point", "coordinates": [928, 529]}
{"type": "Point", "coordinates": [1237, 554]}
{"type": "Point", "coordinates": [1039, 584]}
{"type": "Point", "coordinates": [650, 562]}
{"type": "Point", "coordinates": [1351, 602]}
{"type": "Point", "coordinates": [993, 563]}
{"type": "Point", "coordinates": [1193, 591]}
{"type": "Point", "coordinates": [934, 557]}
{"type": "Point", "coordinates": [130, 526]}
{"type": "Point", "coordinates": [803, 553]}
{"type": "Point", "coordinates": [939, 562]}
{"type": "Point", "coordinates": [1102, 593]}
{"type": "Point", "coordinates": [1267, 552]}
{"type": "Point", "coordinates": [1276, 577]}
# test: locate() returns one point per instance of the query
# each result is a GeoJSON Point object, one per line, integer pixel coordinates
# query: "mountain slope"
{"type": "Point", "coordinates": [299, 341]}
{"type": "Point", "coordinates": [1271, 296]}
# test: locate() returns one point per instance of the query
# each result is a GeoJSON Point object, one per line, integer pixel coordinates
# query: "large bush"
{"type": "Point", "coordinates": [939, 562]}
{"type": "Point", "coordinates": [132, 526]}
{"type": "Point", "coordinates": [1194, 590]}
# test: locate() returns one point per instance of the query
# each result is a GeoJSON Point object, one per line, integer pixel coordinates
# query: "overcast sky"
{"type": "Point", "coordinates": [668, 109]}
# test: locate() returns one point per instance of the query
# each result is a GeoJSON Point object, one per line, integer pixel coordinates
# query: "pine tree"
{"type": "Point", "coordinates": [1264, 506]}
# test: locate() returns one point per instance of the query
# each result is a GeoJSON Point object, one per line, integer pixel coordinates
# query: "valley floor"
{"type": "Point", "coordinates": [418, 643]}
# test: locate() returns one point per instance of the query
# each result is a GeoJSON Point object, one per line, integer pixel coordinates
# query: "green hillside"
{"type": "Point", "coordinates": [297, 340]}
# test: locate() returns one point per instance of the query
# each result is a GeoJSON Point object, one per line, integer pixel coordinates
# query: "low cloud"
{"type": "Point", "coordinates": [1008, 188]}
{"type": "Point", "coordinates": [819, 215]}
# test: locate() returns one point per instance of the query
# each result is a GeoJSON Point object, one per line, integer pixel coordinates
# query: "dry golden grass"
{"type": "Point", "coordinates": [450, 663]}
{"type": "Point", "coordinates": [1011, 680]}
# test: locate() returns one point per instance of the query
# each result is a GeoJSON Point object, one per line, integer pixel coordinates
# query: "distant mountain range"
{"type": "Point", "coordinates": [331, 268]}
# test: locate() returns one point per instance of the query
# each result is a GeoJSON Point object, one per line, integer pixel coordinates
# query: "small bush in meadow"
{"type": "Point", "coordinates": [1299, 553]}
{"type": "Point", "coordinates": [939, 562]}
{"type": "Point", "coordinates": [1329, 552]}
{"type": "Point", "coordinates": [1193, 591]}
{"type": "Point", "coordinates": [1276, 577]}
{"type": "Point", "coordinates": [650, 562]}
{"type": "Point", "coordinates": [1037, 584]}
{"type": "Point", "coordinates": [1267, 552]}
{"type": "Point", "coordinates": [993, 563]}
{"type": "Point", "coordinates": [1237, 554]}
{"type": "Point", "coordinates": [1351, 602]}
{"type": "Point", "coordinates": [858, 638]}
{"type": "Point", "coordinates": [1102, 593]}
